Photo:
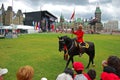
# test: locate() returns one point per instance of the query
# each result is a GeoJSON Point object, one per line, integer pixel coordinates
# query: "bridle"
{"type": "Point", "coordinates": [62, 41]}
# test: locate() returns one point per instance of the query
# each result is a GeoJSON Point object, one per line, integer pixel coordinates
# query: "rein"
{"type": "Point", "coordinates": [70, 47]}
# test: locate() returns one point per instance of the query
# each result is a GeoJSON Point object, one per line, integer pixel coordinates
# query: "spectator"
{"type": "Point", "coordinates": [91, 74]}
{"type": "Point", "coordinates": [2, 72]}
{"type": "Point", "coordinates": [43, 78]}
{"type": "Point", "coordinates": [114, 62]}
{"type": "Point", "coordinates": [66, 75]}
{"type": "Point", "coordinates": [25, 73]}
{"type": "Point", "coordinates": [111, 68]}
{"type": "Point", "coordinates": [79, 67]}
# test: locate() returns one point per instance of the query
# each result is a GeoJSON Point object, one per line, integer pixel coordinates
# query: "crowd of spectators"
{"type": "Point", "coordinates": [111, 71]}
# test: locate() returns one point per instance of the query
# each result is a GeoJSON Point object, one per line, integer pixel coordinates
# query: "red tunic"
{"type": "Point", "coordinates": [79, 34]}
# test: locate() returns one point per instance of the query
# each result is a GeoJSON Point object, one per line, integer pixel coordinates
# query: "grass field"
{"type": "Point", "coordinates": [41, 52]}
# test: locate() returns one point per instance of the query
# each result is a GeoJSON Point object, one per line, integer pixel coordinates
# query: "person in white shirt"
{"type": "Point", "coordinates": [66, 75]}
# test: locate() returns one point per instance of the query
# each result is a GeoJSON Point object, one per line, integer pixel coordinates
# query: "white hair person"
{"type": "Point", "coordinates": [44, 78]}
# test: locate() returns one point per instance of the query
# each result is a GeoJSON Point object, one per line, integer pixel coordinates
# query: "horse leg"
{"type": "Point", "coordinates": [90, 60]}
{"type": "Point", "coordinates": [64, 54]}
{"type": "Point", "coordinates": [70, 58]}
{"type": "Point", "coordinates": [72, 61]}
{"type": "Point", "coordinates": [93, 62]}
{"type": "Point", "coordinates": [88, 63]}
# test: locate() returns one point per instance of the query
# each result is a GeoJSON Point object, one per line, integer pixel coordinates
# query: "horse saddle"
{"type": "Point", "coordinates": [86, 45]}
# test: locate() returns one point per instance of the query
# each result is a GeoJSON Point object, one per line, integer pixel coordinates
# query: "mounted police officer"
{"type": "Point", "coordinates": [79, 36]}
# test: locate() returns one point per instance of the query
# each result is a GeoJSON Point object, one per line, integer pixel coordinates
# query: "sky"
{"type": "Point", "coordinates": [83, 8]}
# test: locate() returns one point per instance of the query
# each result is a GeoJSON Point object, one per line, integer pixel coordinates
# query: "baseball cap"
{"type": "Point", "coordinates": [78, 66]}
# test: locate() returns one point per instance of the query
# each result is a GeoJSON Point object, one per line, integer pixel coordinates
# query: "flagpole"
{"type": "Point", "coordinates": [12, 16]}
{"type": "Point", "coordinates": [12, 11]}
{"type": "Point", "coordinates": [72, 18]}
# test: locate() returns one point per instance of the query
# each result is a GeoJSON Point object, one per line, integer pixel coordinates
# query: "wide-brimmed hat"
{"type": "Point", "coordinates": [78, 66]}
{"type": "Point", "coordinates": [3, 71]}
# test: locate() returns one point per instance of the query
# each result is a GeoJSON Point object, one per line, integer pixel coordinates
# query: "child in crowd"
{"type": "Point", "coordinates": [79, 68]}
{"type": "Point", "coordinates": [44, 78]}
{"type": "Point", "coordinates": [111, 68]}
{"type": "Point", "coordinates": [25, 73]}
{"type": "Point", "coordinates": [66, 75]}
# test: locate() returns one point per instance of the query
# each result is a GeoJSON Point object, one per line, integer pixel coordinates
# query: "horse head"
{"type": "Point", "coordinates": [63, 41]}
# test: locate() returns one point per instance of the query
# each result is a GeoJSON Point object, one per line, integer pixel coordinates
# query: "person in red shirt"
{"type": "Point", "coordinates": [111, 68]}
{"type": "Point", "coordinates": [79, 34]}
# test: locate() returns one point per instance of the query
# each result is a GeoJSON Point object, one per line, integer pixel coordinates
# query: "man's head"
{"type": "Point", "coordinates": [80, 26]}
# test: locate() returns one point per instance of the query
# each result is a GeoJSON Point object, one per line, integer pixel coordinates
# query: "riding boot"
{"type": "Point", "coordinates": [80, 54]}
{"type": "Point", "coordinates": [80, 47]}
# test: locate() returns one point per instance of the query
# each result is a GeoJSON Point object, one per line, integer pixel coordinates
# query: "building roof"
{"type": "Point", "coordinates": [44, 12]}
{"type": "Point", "coordinates": [79, 20]}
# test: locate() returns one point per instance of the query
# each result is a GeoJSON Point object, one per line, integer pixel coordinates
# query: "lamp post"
{"type": "Point", "coordinates": [40, 25]}
{"type": "Point", "coordinates": [12, 16]}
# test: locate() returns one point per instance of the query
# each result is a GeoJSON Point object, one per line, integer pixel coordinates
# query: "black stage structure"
{"type": "Point", "coordinates": [43, 19]}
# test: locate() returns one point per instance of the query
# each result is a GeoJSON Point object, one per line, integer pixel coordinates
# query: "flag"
{"type": "Point", "coordinates": [33, 23]}
{"type": "Point", "coordinates": [39, 26]}
{"type": "Point", "coordinates": [36, 26]}
{"type": "Point", "coordinates": [73, 14]}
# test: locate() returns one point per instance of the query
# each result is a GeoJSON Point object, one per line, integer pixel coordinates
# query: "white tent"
{"type": "Point", "coordinates": [6, 27]}
{"type": "Point", "coordinates": [24, 27]}
{"type": "Point", "coordinates": [30, 29]}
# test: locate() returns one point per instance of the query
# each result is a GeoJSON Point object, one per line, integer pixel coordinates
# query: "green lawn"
{"type": "Point", "coordinates": [41, 52]}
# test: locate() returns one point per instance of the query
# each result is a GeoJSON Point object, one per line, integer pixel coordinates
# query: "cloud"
{"type": "Point", "coordinates": [83, 8]}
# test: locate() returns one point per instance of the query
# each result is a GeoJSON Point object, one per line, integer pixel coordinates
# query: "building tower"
{"type": "Point", "coordinates": [2, 15]}
{"type": "Point", "coordinates": [8, 17]}
{"type": "Point", "coordinates": [62, 21]}
{"type": "Point", "coordinates": [98, 25]}
{"type": "Point", "coordinates": [98, 14]}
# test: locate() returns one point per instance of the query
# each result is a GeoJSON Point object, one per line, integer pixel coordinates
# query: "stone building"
{"type": "Point", "coordinates": [99, 25]}
{"type": "Point", "coordinates": [8, 17]}
{"type": "Point", "coordinates": [111, 25]}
